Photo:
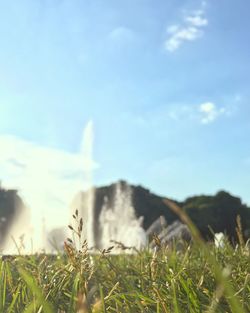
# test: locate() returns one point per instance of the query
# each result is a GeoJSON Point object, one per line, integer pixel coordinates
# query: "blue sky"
{"type": "Point", "coordinates": [166, 84]}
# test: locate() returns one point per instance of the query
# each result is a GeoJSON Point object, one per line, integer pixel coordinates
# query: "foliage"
{"type": "Point", "coordinates": [10, 206]}
{"type": "Point", "coordinates": [198, 278]}
{"type": "Point", "coordinates": [218, 213]}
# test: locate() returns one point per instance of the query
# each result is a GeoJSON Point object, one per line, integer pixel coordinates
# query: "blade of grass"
{"type": "Point", "coordinates": [33, 287]}
{"type": "Point", "coordinates": [218, 271]}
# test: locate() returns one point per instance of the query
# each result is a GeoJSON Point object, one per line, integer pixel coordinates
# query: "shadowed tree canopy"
{"type": "Point", "coordinates": [218, 212]}
{"type": "Point", "coordinates": [11, 205]}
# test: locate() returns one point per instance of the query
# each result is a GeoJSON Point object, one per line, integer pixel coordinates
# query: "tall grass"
{"type": "Point", "coordinates": [199, 277]}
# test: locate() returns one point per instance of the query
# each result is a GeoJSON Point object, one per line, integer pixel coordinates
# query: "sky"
{"type": "Point", "coordinates": [164, 84]}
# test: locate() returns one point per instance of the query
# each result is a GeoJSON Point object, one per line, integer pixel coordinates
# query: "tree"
{"type": "Point", "coordinates": [219, 212]}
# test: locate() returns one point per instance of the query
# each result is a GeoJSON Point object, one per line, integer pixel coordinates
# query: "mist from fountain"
{"type": "Point", "coordinates": [117, 220]}
{"type": "Point", "coordinates": [47, 198]}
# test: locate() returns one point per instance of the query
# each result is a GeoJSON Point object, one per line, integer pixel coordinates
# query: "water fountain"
{"type": "Point", "coordinates": [117, 220]}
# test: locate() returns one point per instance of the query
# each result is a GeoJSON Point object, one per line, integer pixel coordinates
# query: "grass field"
{"type": "Point", "coordinates": [199, 277]}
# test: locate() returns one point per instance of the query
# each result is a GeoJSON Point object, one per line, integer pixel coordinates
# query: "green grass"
{"type": "Point", "coordinates": [165, 281]}
{"type": "Point", "coordinates": [183, 278]}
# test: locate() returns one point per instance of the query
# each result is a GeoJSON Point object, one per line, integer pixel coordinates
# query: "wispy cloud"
{"type": "Point", "coordinates": [204, 113]}
{"type": "Point", "coordinates": [190, 29]}
{"type": "Point", "coordinates": [210, 112]}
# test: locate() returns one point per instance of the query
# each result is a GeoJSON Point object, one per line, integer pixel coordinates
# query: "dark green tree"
{"type": "Point", "coordinates": [10, 206]}
{"type": "Point", "coordinates": [219, 212]}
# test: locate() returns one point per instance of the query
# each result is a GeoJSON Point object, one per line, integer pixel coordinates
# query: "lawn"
{"type": "Point", "coordinates": [199, 277]}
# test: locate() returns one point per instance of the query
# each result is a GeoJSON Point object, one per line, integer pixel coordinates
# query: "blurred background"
{"type": "Point", "coordinates": [153, 93]}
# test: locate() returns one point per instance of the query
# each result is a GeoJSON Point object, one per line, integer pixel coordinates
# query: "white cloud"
{"type": "Point", "coordinates": [204, 113]}
{"type": "Point", "coordinates": [173, 29]}
{"type": "Point", "coordinates": [184, 34]}
{"type": "Point", "coordinates": [189, 30]}
{"type": "Point", "coordinates": [210, 112]}
{"type": "Point", "coordinates": [197, 20]}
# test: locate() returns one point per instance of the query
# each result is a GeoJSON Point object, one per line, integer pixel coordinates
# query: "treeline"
{"type": "Point", "coordinates": [10, 206]}
{"type": "Point", "coordinates": [210, 214]}
{"type": "Point", "coordinates": [218, 213]}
